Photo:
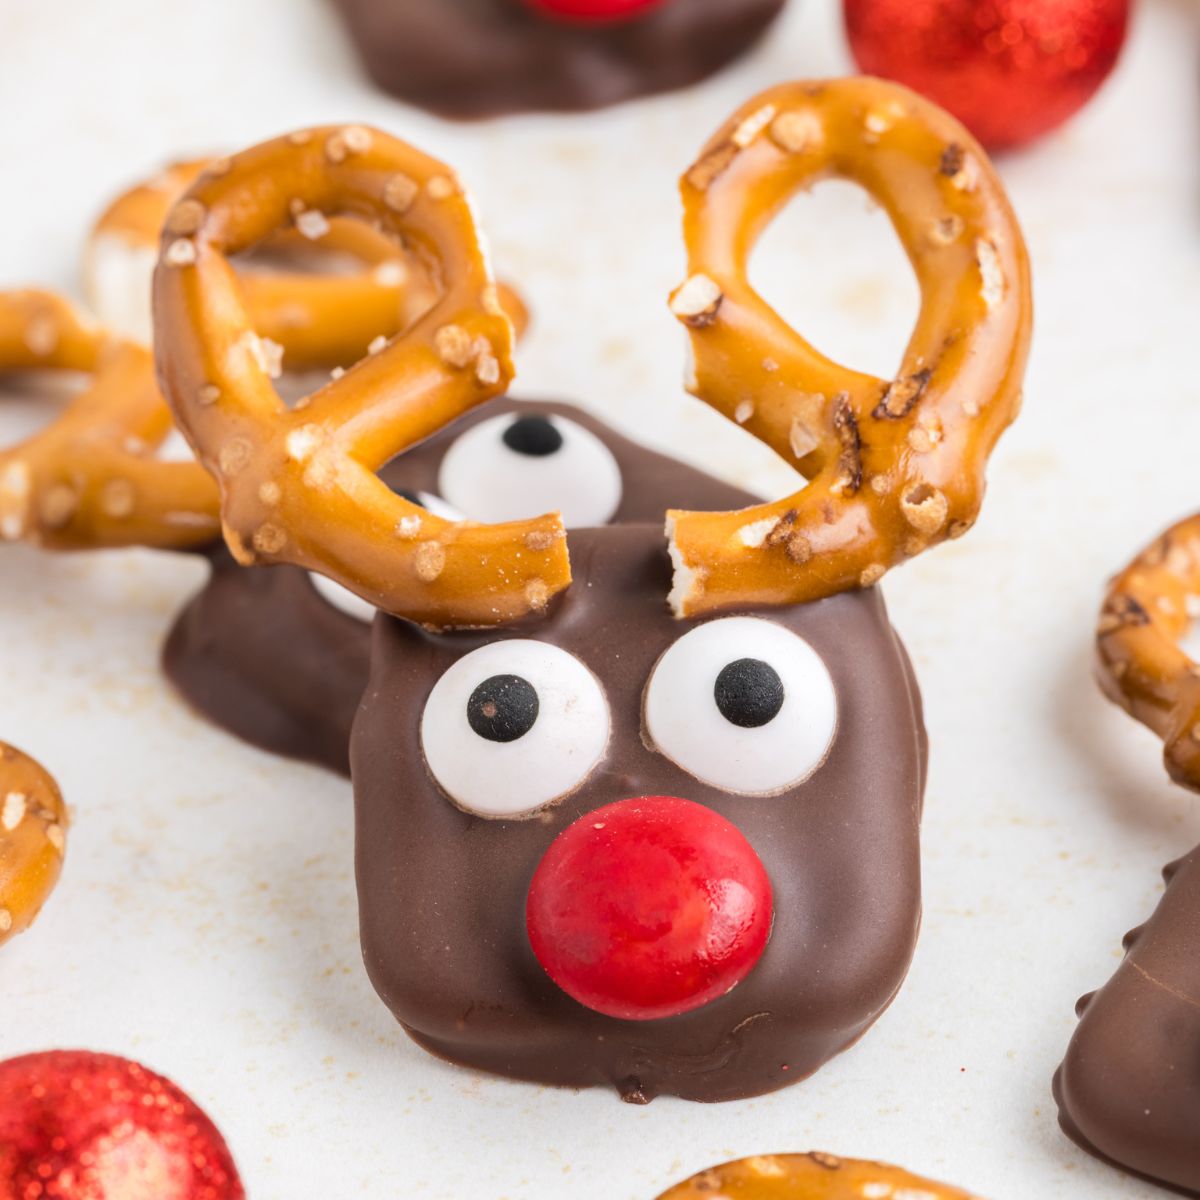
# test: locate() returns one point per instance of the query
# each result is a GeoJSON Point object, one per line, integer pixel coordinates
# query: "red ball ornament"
{"type": "Point", "coordinates": [649, 908]}
{"type": "Point", "coordinates": [595, 11]}
{"type": "Point", "coordinates": [81, 1126]}
{"type": "Point", "coordinates": [1010, 70]}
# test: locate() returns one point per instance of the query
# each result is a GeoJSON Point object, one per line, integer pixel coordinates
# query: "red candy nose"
{"type": "Point", "coordinates": [596, 11]}
{"type": "Point", "coordinates": [649, 908]}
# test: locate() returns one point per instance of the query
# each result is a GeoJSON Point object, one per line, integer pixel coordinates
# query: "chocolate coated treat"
{"type": "Point", "coordinates": [1129, 1088]}
{"type": "Point", "coordinates": [262, 654]}
{"type": "Point", "coordinates": [442, 893]}
{"type": "Point", "coordinates": [480, 58]}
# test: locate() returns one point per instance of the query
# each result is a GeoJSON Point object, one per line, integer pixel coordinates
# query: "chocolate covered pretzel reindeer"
{"type": "Point", "coordinates": [604, 838]}
{"type": "Point", "coordinates": [1129, 1088]}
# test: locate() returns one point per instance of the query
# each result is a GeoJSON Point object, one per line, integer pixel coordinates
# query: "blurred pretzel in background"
{"type": "Point", "coordinates": [90, 479]}
{"type": "Point", "coordinates": [300, 485]}
{"type": "Point", "coordinates": [811, 1176]}
{"type": "Point", "coordinates": [1148, 609]}
{"type": "Point", "coordinates": [894, 466]}
{"type": "Point", "coordinates": [33, 823]}
{"type": "Point", "coordinates": [323, 289]}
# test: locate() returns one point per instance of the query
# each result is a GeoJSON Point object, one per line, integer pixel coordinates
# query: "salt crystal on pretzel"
{"type": "Point", "coordinates": [33, 823]}
{"type": "Point", "coordinates": [813, 1176]}
{"type": "Point", "coordinates": [1147, 611]}
{"type": "Point", "coordinates": [320, 317]}
{"type": "Point", "coordinates": [300, 485]}
{"type": "Point", "coordinates": [90, 479]}
{"type": "Point", "coordinates": [894, 466]}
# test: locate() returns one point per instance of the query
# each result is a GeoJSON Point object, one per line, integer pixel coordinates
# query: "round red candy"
{"type": "Point", "coordinates": [80, 1126]}
{"type": "Point", "coordinates": [649, 908]}
{"type": "Point", "coordinates": [598, 11]}
{"type": "Point", "coordinates": [1010, 70]}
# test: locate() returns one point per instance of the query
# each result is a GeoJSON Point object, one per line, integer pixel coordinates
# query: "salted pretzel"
{"type": "Point", "coordinates": [1149, 607]}
{"type": "Point", "coordinates": [33, 823]}
{"type": "Point", "coordinates": [894, 466]}
{"type": "Point", "coordinates": [320, 319]}
{"type": "Point", "coordinates": [809, 1177]}
{"type": "Point", "coordinates": [89, 479]}
{"type": "Point", "coordinates": [300, 485]}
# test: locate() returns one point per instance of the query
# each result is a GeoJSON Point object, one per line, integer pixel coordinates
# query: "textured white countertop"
{"type": "Point", "coordinates": [206, 921]}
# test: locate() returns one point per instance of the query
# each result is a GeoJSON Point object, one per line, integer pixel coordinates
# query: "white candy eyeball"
{"type": "Point", "coordinates": [352, 604]}
{"type": "Point", "coordinates": [521, 465]}
{"type": "Point", "coordinates": [744, 705]}
{"type": "Point", "coordinates": [514, 726]}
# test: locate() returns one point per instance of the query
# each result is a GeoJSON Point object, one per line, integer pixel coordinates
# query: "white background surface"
{"type": "Point", "coordinates": [206, 922]}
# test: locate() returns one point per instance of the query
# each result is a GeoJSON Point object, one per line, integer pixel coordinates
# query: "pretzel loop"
{"type": "Point", "coordinates": [300, 485]}
{"type": "Point", "coordinates": [896, 466]}
{"type": "Point", "coordinates": [89, 479]}
{"type": "Point", "coordinates": [1148, 609]}
{"type": "Point", "coordinates": [33, 824]}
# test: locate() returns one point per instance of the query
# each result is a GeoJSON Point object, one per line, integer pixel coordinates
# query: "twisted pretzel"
{"type": "Point", "coordinates": [1148, 609]}
{"type": "Point", "coordinates": [808, 1177]}
{"type": "Point", "coordinates": [300, 486]}
{"type": "Point", "coordinates": [33, 822]}
{"type": "Point", "coordinates": [894, 467]}
{"type": "Point", "coordinates": [89, 479]}
{"type": "Point", "coordinates": [319, 319]}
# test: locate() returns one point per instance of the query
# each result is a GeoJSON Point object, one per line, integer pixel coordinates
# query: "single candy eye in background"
{"type": "Point", "coordinates": [518, 466]}
{"type": "Point", "coordinates": [743, 705]}
{"type": "Point", "coordinates": [353, 605]}
{"type": "Point", "coordinates": [512, 727]}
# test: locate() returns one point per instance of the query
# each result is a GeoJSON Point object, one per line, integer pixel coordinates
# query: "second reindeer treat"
{"type": "Point", "coordinates": [632, 809]}
{"type": "Point", "coordinates": [1129, 1087]}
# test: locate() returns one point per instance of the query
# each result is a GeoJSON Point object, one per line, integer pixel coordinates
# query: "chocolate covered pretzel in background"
{"type": "Point", "coordinates": [1129, 1088]}
{"type": "Point", "coordinates": [483, 58]}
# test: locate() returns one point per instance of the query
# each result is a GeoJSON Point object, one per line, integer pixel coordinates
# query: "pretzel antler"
{"type": "Point", "coordinates": [894, 466]}
{"type": "Point", "coordinates": [300, 486]}
{"type": "Point", "coordinates": [89, 479]}
{"type": "Point", "coordinates": [320, 318]}
{"type": "Point", "coordinates": [1149, 607]}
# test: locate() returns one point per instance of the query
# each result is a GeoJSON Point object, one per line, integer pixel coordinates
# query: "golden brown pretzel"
{"type": "Point", "coordinates": [893, 466]}
{"type": "Point", "coordinates": [89, 479]}
{"type": "Point", "coordinates": [1149, 607]}
{"type": "Point", "coordinates": [809, 1177]}
{"type": "Point", "coordinates": [300, 485]}
{"type": "Point", "coordinates": [33, 823]}
{"type": "Point", "coordinates": [320, 319]}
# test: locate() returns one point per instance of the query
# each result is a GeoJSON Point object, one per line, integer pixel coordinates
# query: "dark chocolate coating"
{"type": "Point", "coordinates": [442, 893]}
{"type": "Point", "coordinates": [262, 655]}
{"type": "Point", "coordinates": [1129, 1088]}
{"type": "Point", "coordinates": [482, 58]}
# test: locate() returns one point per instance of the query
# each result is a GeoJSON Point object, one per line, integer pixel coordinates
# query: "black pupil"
{"type": "Point", "coordinates": [749, 693]}
{"type": "Point", "coordinates": [532, 435]}
{"type": "Point", "coordinates": [503, 708]}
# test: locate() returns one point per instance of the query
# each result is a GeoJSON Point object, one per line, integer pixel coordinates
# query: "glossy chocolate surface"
{"type": "Point", "coordinates": [1129, 1088]}
{"type": "Point", "coordinates": [480, 58]}
{"type": "Point", "coordinates": [442, 893]}
{"type": "Point", "coordinates": [262, 655]}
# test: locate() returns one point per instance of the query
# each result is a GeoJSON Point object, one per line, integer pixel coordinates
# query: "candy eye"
{"type": "Point", "coordinates": [512, 727]}
{"type": "Point", "coordinates": [517, 466]}
{"type": "Point", "coordinates": [353, 605]}
{"type": "Point", "coordinates": [744, 705]}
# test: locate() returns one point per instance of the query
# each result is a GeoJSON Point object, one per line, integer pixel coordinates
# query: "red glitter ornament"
{"type": "Point", "coordinates": [1010, 70]}
{"type": "Point", "coordinates": [81, 1126]}
{"type": "Point", "coordinates": [649, 908]}
{"type": "Point", "coordinates": [595, 11]}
